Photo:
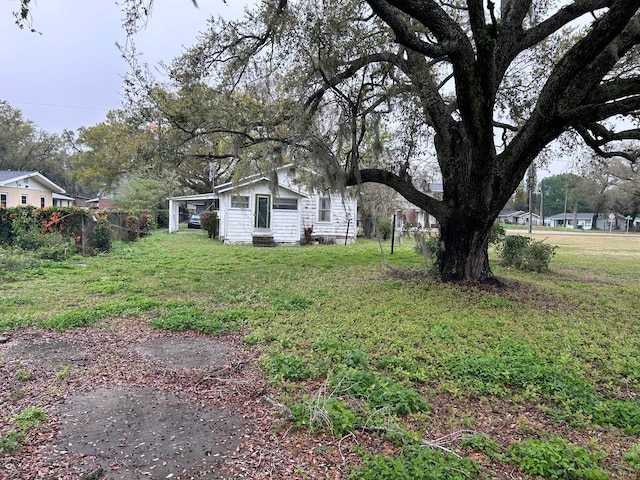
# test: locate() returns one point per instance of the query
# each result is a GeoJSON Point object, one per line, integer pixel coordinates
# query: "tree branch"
{"type": "Point", "coordinates": [400, 185]}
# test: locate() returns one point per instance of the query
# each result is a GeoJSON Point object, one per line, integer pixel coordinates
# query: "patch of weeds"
{"type": "Point", "coordinates": [13, 322]}
{"type": "Point", "coordinates": [330, 351]}
{"type": "Point", "coordinates": [485, 444]}
{"type": "Point", "coordinates": [624, 414]}
{"type": "Point", "coordinates": [286, 366]}
{"type": "Point", "coordinates": [288, 301]}
{"type": "Point", "coordinates": [416, 464]}
{"type": "Point", "coordinates": [183, 318]}
{"type": "Point", "coordinates": [84, 317]}
{"type": "Point", "coordinates": [632, 457]}
{"type": "Point", "coordinates": [516, 367]}
{"type": "Point", "coordinates": [16, 300]}
{"type": "Point", "coordinates": [406, 368]}
{"type": "Point", "coordinates": [10, 442]}
{"type": "Point", "coordinates": [379, 391]}
{"type": "Point", "coordinates": [25, 421]}
{"type": "Point", "coordinates": [29, 418]}
{"type": "Point", "coordinates": [556, 459]}
{"type": "Point", "coordinates": [62, 372]}
{"type": "Point", "coordinates": [23, 375]}
{"type": "Point", "coordinates": [324, 411]}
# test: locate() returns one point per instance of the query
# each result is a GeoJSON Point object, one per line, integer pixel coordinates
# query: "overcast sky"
{"type": "Point", "coordinates": [71, 74]}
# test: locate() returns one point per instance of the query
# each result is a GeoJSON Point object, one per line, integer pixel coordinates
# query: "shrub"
{"type": "Point", "coordinates": [102, 234]}
{"type": "Point", "coordinates": [162, 218]}
{"type": "Point", "coordinates": [427, 246]}
{"type": "Point", "coordinates": [132, 224]}
{"type": "Point", "coordinates": [526, 254]}
{"type": "Point", "coordinates": [385, 228]}
{"type": "Point", "coordinates": [209, 223]}
{"type": "Point", "coordinates": [497, 234]}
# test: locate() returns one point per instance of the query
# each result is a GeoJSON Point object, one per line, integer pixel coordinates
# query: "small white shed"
{"type": "Point", "coordinates": [253, 211]}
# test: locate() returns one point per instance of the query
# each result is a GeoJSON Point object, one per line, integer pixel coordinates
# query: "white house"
{"type": "Point", "coordinates": [254, 211]}
{"type": "Point", "coordinates": [583, 221]}
{"type": "Point", "coordinates": [30, 188]}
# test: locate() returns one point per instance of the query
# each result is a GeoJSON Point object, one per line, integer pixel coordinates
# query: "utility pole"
{"type": "Point", "coordinates": [566, 193]}
{"type": "Point", "coordinates": [542, 200]}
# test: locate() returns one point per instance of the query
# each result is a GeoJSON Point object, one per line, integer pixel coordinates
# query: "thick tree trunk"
{"type": "Point", "coordinates": [463, 253]}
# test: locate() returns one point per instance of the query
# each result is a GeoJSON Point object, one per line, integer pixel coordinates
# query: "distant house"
{"type": "Point", "coordinates": [510, 216]}
{"type": "Point", "coordinates": [523, 219]}
{"type": "Point", "coordinates": [30, 188]}
{"type": "Point", "coordinates": [255, 211]}
{"type": "Point", "coordinates": [414, 217]}
{"type": "Point", "coordinates": [582, 221]}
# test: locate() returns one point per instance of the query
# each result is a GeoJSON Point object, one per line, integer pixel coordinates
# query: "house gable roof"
{"type": "Point", "coordinates": [10, 176]}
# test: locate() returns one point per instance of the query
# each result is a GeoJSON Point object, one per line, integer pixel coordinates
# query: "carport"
{"type": "Point", "coordinates": [174, 207]}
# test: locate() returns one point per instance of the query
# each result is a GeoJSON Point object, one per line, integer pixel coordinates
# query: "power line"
{"type": "Point", "coordinates": [53, 105]}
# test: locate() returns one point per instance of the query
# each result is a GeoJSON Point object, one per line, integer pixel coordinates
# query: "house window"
{"type": "Point", "coordinates": [3, 200]}
{"type": "Point", "coordinates": [23, 199]}
{"type": "Point", "coordinates": [238, 201]}
{"type": "Point", "coordinates": [324, 209]}
{"type": "Point", "coordinates": [43, 202]}
{"type": "Point", "coordinates": [285, 204]}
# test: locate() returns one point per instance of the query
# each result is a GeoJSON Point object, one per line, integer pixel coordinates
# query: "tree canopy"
{"type": "Point", "coordinates": [479, 88]}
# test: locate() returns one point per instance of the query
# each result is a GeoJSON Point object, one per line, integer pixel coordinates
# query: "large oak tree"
{"type": "Point", "coordinates": [486, 88]}
{"type": "Point", "coordinates": [483, 88]}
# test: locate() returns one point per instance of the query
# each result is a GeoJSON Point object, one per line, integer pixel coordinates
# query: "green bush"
{"type": "Point", "coordinates": [526, 254]}
{"type": "Point", "coordinates": [209, 223]}
{"type": "Point", "coordinates": [497, 234]}
{"type": "Point", "coordinates": [162, 218]}
{"type": "Point", "coordinates": [385, 228]}
{"type": "Point", "coordinates": [427, 246]}
{"type": "Point", "coordinates": [556, 460]}
{"type": "Point", "coordinates": [102, 234]}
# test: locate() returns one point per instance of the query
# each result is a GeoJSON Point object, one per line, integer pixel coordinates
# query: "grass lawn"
{"type": "Point", "coordinates": [541, 377]}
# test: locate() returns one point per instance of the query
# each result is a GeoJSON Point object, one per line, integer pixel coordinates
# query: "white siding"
{"type": "Point", "coordinates": [285, 226]}
{"type": "Point", "coordinates": [343, 215]}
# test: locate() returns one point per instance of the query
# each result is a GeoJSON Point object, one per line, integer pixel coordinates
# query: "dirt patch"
{"type": "Point", "coordinates": [130, 402]}
{"type": "Point", "coordinates": [135, 432]}
{"type": "Point", "coordinates": [50, 354]}
{"type": "Point", "coordinates": [186, 352]}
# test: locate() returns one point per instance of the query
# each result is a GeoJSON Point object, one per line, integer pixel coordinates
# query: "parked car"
{"type": "Point", "coordinates": [194, 221]}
